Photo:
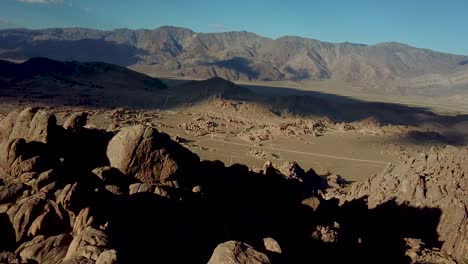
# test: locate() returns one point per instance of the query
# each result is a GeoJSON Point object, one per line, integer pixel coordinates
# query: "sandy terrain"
{"type": "Point", "coordinates": [354, 152]}
{"type": "Point", "coordinates": [250, 124]}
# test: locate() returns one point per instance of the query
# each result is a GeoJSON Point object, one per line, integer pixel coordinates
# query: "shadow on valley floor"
{"type": "Point", "coordinates": [281, 101]}
{"type": "Point", "coordinates": [432, 138]}
{"type": "Point", "coordinates": [337, 107]}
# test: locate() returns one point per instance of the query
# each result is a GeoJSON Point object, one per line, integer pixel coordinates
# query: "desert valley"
{"type": "Point", "coordinates": [171, 146]}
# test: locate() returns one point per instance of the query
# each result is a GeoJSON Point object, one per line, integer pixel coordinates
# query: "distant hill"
{"type": "Point", "coordinates": [86, 74]}
{"type": "Point", "coordinates": [76, 83]}
{"type": "Point", "coordinates": [391, 67]}
{"type": "Point", "coordinates": [194, 91]}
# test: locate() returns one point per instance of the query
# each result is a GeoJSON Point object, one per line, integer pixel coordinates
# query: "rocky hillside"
{"type": "Point", "coordinates": [75, 194]}
{"type": "Point", "coordinates": [216, 87]}
{"type": "Point", "coordinates": [247, 56]}
{"type": "Point", "coordinates": [438, 179]}
{"type": "Point", "coordinates": [42, 80]}
{"type": "Point", "coordinates": [47, 72]}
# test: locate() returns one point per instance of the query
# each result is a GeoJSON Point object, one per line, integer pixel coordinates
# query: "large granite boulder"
{"type": "Point", "coordinates": [233, 252]}
{"type": "Point", "coordinates": [149, 155]}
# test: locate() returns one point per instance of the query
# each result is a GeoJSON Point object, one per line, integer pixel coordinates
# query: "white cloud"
{"type": "Point", "coordinates": [42, 1]}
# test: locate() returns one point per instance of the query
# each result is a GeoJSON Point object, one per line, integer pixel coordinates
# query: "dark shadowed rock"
{"type": "Point", "coordinates": [12, 192]}
{"type": "Point", "coordinates": [149, 155]}
{"type": "Point", "coordinates": [233, 252]}
{"type": "Point", "coordinates": [7, 233]}
{"type": "Point", "coordinates": [113, 176]}
{"type": "Point", "coordinates": [85, 148]}
{"type": "Point", "coordinates": [46, 178]}
{"type": "Point", "coordinates": [51, 221]}
{"type": "Point", "coordinates": [9, 257]}
{"type": "Point", "coordinates": [73, 196]}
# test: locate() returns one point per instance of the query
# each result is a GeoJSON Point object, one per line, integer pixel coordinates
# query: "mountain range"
{"type": "Point", "coordinates": [173, 51]}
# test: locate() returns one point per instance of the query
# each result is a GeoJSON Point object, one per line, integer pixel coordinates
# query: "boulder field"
{"type": "Point", "coordinates": [76, 194]}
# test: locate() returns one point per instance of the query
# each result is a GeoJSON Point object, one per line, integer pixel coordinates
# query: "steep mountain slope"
{"type": "Point", "coordinates": [246, 56]}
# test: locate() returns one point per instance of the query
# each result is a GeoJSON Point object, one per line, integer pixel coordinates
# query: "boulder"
{"type": "Point", "coordinates": [11, 151]}
{"type": "Point", "coordinates": [76, 120]}
{"type": "Point", "coordinates": [148, 155]}
{"type": "Point", "coordinates": [23, 123]}
{"type": "Point", "coordinates": [292, 170]}
{"type": "Point", "coordinates": [34, 216]}
{"type": "Point", "coordinates": [271, 245]}
{"type": "Point", "coordinates": [233, 252]}
{"type": "Point", "coordinates": [311, 202]}
{"type": "Point", "coordinates": [50, 222]}
{"type": "Point", "coordinates": [46, 250]}
{"type": "Point", "coordinates": [21, 165]}
{"type": "Point", "coordinates": [30, 124]}
{"type": "Point", "coordinates": [83, 220]}
{"type": "Point", "coordinates": [6, 125]}
{"type": "Point", "coordinates": [107, 257]}
{"type": "Point", "coordinates": [141, 187]}
{"type": "Point", "coordinates": [89, 244]}
{"type": "Point", "coordinates": [23, 213]}
{"type": "Point", "coordinates": [42, 126]}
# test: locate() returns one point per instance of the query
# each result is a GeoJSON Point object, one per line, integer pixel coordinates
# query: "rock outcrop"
{"type": "Point", "coordinates": [148, 155]}
{"type": "Point", "coordinates": [437, 179]}
{"type": "Point", "coordinates": [84, 195]}
{"type": "Point", "coordinates": [233, 252]}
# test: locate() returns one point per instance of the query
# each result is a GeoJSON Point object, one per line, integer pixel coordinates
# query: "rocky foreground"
{"type": "Point", "coordinates": [76, 194]}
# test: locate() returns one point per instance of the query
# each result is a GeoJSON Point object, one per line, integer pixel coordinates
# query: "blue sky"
{"type": "Point", "coordinates": [436, 24]}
